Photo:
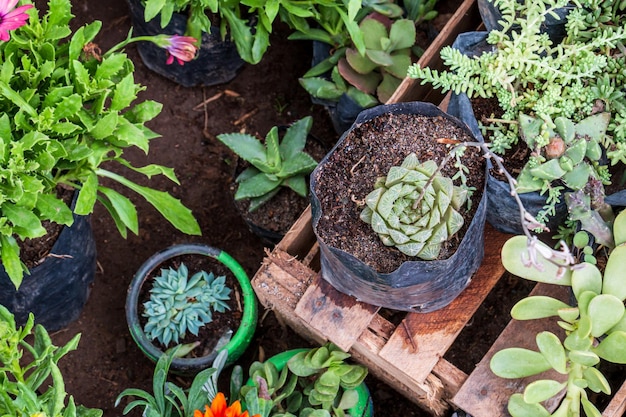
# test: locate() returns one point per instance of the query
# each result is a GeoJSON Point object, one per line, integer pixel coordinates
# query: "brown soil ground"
{"type": "Point", "coordinates": [107, 360]}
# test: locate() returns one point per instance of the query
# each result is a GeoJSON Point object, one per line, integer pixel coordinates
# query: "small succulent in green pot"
{"type": "Point", "coordinates": [179, 304]}
{"type": "Point", "coordinates": [415, 208]}
{"type": "Point", "coordinates": [66, 118]}
{"type": "Point", "coordinates": [594, 326]}
{"type": "Point", "coordinates": [273, 163]}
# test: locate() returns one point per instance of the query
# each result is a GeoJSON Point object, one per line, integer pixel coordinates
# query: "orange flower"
{"type": "Point", "coordinates": [219, 409]}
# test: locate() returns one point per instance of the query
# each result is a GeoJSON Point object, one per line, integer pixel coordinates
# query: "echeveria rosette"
{"type": "Point", "coordinates": [415, 208]}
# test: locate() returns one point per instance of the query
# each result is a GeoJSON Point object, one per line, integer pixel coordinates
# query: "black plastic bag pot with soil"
{"type": "Point", "coordinates": [217, 60]}
{"type": "Point", "coordinates": [55, 290]}
{"type": "Point", "coordinates": [353, 258]}
{"type": "Point", "coordinates": [503, 213]}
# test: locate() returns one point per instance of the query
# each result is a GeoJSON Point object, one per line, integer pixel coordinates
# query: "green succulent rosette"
{"type": "Point", "coordinates": [415, 208]}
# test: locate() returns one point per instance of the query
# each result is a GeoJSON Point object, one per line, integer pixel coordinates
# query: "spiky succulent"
{"type": "Point", "coordinates": [179, 304]}
{"type": "Point", "coordinates": [414, 208]}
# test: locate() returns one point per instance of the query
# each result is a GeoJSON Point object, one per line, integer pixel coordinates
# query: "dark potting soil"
{"type": "Point", "coordinates": [222, 322]}
{"type": "Point", "coordinates": [367, 154]}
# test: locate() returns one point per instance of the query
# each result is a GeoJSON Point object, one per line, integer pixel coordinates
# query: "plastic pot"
{"type": "Point", "coordinates": [417, 285]}
{"type": "Point", "coordinates": [363, 408]}
{"type": "Point", "coordinates": [503, 212]}
{"type": "Point", "coordinates": [241, 336]}
{"type": "Point", "coordinates": [217, 61]}
{"type": "Point", "coordinates": [56, 290]}
{"type": "Point", "coordinates": [554, 26]}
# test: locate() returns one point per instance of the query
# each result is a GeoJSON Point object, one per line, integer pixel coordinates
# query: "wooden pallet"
{"type": "Point", "coordinates": [409, 356]}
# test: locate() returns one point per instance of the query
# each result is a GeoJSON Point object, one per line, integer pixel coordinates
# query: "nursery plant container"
{"type": "Point", "coordinates": [56, 290]}
{"type": "Point", "coordinates": [235, 341]}
{"type": "Point", "coordinates": [217, 60]}
{"type": "Point", "coordinates": [503, 211]}
{"type": "Point", "coordinates": [414, 285]}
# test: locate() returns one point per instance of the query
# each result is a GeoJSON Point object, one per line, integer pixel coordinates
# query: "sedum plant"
{"type": "Point", "coordinates": [66, 117]}
{"type": "Point", "coordinates": [594, 326]}
{"type": "Point", "coordinates": [415, 208]}
{"type": "Point", "coordinates": [179, 304]}
{"type": "Point", "coordinates": [36, 387]}
{"type": "Point", "coordinates": [533, 78]}
{"type": "Point", "coordinates": [315, 383]}
{"type": "Point", "coordinates": [273, 164]}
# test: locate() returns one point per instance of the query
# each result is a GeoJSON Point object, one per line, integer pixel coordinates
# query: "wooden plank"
{"type": "Point", "coordinates": [300, 236]}
{"type": "Point", "coordinates": [339, 317]}
{"type": "Point", "coordinates": [486, 395]}
{"type": "Point", "coordinates": [465, 19]}
{"type": "Point", "coordinates": [423, 338]}
{"type": "Point", "coordinates": [617, 406]}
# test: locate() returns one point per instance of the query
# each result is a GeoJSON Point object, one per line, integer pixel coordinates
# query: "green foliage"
{"type": "Point", "coordinates": [179, 304]}
{"type": "Point", "coordinates": [595, 328]}
{"type": "Point", "coordinates": [63, 116]}
{"type": "Point", "coordinates": [23, 392]}
{"type": "Point", "coordinates": [168, 399]}
{"type": "Point", "coordinates": [315, 383]}
{"type": "Point", "coordinates": [415, 208]}
{"type": "Point", "coordinates": [547, 87]}
{"type": "Point", "coordinates": [274, 164]}
{"type": "Point", "coordinates": [369, 61]}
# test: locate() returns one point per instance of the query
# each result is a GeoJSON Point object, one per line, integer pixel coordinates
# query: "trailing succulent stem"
{"type": "Point", "coordinates": [274, 164]}
{"type": "Point", "coordinates": [415, 208]}
{"type": "Point", "coordinates": [179, 304]}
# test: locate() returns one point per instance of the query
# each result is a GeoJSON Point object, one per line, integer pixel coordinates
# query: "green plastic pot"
{"type": "Point", "coordinates": [363, 408]}
{"type": "Point", "coordinates": [239, 341]}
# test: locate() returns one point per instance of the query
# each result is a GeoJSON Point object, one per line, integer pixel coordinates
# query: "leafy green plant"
{"type": "Point", "coordinates": [315, 383]}
{"type": "Point", "coordinates": [66, 117]}
{"type": "Point", "coordinates": [22, 384]}
{"type": "Point", "coordinates": [415, 208]}
{"type": "Point", "coordinates": [594, 326]}
{"type": "Point", "coordinates": [537, 83]}
{"type": "Point", "coordinates": [273, 164]}
{"type": "Point", "coordinates": [179, 304]}
{"type": "Point", "coordinates": [168, 399]}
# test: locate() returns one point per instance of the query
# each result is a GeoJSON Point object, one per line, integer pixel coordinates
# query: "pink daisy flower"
{"type": "Point", "coordinates": [182, 48]}
{"type": "Point", "coordinates": [11, 18]}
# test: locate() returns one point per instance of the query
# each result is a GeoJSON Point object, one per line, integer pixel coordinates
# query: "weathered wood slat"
{"type": "Point", "coordinates": [617, 406]}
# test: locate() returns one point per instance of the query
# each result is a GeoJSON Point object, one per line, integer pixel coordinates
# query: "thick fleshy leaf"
{"type": "Point", "coordinates": [597, 382]}
{"type": "Point", "coordinates": [516, 363]}
{"type": "Point", "coordinates": [541, 390]}
{"type": "Point", "coordinates": [553, 351]}
{"type": "Point", "coordinates": [613, 348]}
{"type": "Point", "coordinates": [537, 307]}
{"type": "Point", "coordinates": [515, 252]}
{"type": "Point", "coordinates": [517, 407]}
{"type": "Point", "coordinates": [605, 311]}
{"type": "Point", "coordinates": [614, 281]}
{"type": "Point", "coordinates": [586, 277]}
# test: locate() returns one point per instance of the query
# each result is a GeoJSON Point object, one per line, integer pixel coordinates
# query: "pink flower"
{"type": "Point", "coordinates": [11, 19]}
{"type": "Point", "coordinates": [182, 48]}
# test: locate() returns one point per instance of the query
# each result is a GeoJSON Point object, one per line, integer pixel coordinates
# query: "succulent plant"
{"type": "Point", "coordinates": [375, 72]}
{"type": "Point", "coordinates": [570, 152]}
{"type": "Point", "coordinates": [594, 326]}
{"type": "Point", "coordinates": [273, 164]}
{"type": "Point", "coordinates": [414, 208]}
{"type": "Point", "coordinates": [316, 382]}
{"type": "Point", "coordinates": [179, 304]}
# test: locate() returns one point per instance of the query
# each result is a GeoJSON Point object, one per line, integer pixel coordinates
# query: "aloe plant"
{"type": "Point", "coordinates": [414, 208]}
{"type": "Point", "coordinates": [274, 164]}
{"type": "Point", "coordinates": [595, 327]}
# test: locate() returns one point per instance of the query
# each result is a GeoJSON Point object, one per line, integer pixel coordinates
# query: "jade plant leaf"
{"type": "Point", "coordinates": [605, 311]}
{"type": "Point", "coordinates": [586, 278]}
{"type": "Point", "coordinates": [553, 351]}
{"type": "Point", "coordinates": [613, 348]}
{"type": "Point", "coordinates": [520, 408]}
{"type": "Point", "coordinates": [537, 307]}
{"type": "Point", "coordinates": [516, 363]}
{"type": "Point", "coordinates": [513, 262]}
{"type": "Point", "coordinates": [614, 277]}
{"type": "Point", "coordinates": [541, 390]}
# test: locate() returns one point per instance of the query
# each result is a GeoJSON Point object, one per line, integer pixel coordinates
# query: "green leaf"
{"type": "Point", "coordinates": [586, 278]}
{"type": "Point", "coordinates": [597, 382]}
{"type": "Point", "coordinates": [614, 281]}
{"type": "Point", "coordinates": [256, 186]}
{"type": "Point", "coordinates": [516, 363]}
{"type": "Point", "coordinates": [125, 93]}
{"type": "Point", "coordinates": [513, 253]}
{"type": "Point", "coordinates": [56, 210]}
{"type": "Point", "coordinates": [87, 195]}
{"type": "Point", "coordinates": [613, 348]}
{"type": "Point", "coordinates": [590, 409]}
{"type": "Point", "coordinates": [604, 311]}
{"type": "Point", "coordinates": [517, 407]}
{"type": "Point", "coordinates": [245, 146]}
{"type": "Point", "coordinates": [551, 348]}
{"type": "Point", "coordinates": [105, 126]}
{"type": "Point", "coordinates": [124, 208]}
{"type": "Point", "coordinates": [24, 221]}
{"type": "Point", "coordinates": [10, 254]}
{"type": "Point", "coordinates": [537, 307]}
{"type": "Point", "coordinates": [295, 138]}
{"type": "Point", "coordinates": [584, 358]}
{"type": "Point", "coordinates": [541, 390]}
